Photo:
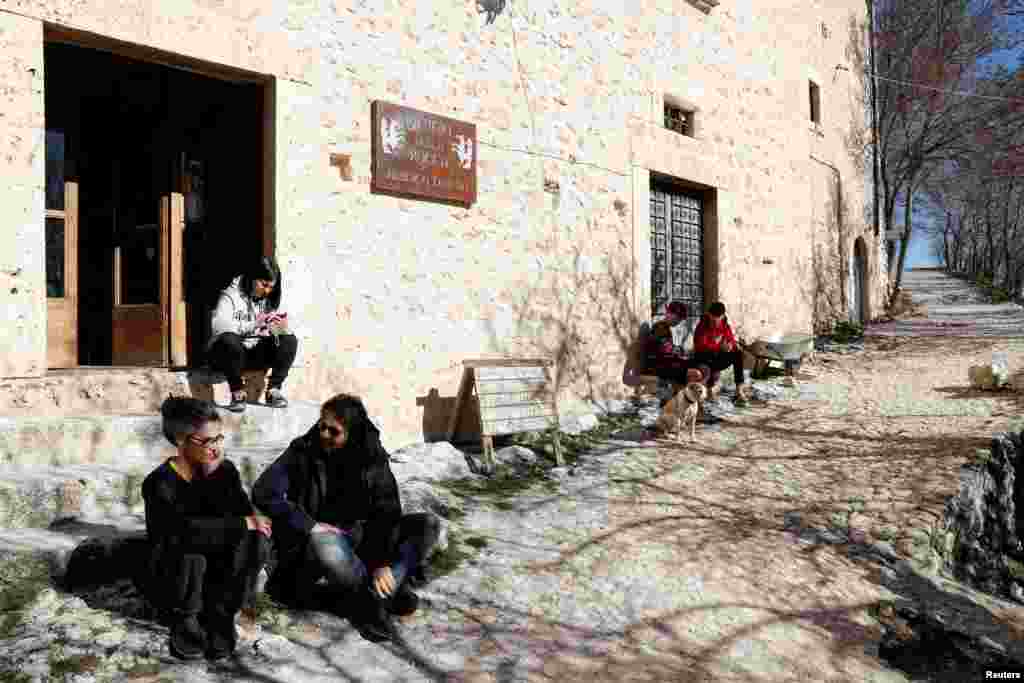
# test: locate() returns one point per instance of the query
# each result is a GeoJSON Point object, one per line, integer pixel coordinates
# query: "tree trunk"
{"type": "Point", "coordinates": [904, 243]}
{"type": "Point", "coordinates": [945, 243]}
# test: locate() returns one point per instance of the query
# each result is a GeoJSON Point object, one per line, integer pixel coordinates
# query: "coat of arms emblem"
{"type": "Point", "coordinates": [391, 135]}
{"type": "Point", "coordinates": [464, 150]}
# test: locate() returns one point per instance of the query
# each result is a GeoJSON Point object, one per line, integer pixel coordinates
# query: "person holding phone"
{"type": "Point", "coordinates": [248, 332]}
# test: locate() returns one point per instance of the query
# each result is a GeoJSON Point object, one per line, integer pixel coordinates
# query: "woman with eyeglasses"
{"type": "Point", "coordinates": [337, 514]}
{"type": "Point", "coordinates": [249, 333]}
{"type": "Point", "coordinates": [207, 544]}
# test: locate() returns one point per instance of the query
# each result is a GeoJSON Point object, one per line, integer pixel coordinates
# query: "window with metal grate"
{"type": "Point", "coordinates": [678, 119]}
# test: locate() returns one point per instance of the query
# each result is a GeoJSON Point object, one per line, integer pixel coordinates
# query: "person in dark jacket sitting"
{"type": "Point", "coordinates": [337, 514]}
{"type": "Point", "coordinates": [664, 358]}
{"type": "Point", "coordinates": [207, 544]}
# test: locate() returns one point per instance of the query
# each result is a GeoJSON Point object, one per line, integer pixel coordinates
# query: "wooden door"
{"type": "Point", "coordinates": [62, 280]}
{"type": "Point", "coordinates": [149, 310]}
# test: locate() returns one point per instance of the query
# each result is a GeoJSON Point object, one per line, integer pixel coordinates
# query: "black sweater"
{"type": "Point", "coordinates": [199, 516]}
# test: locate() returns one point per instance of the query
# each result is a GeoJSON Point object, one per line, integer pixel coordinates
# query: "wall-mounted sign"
{"type": "Point", "coordinates": [422, 155]}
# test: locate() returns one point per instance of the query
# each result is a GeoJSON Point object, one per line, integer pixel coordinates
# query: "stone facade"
{"type": "Point", "coordinates": [388, 295]}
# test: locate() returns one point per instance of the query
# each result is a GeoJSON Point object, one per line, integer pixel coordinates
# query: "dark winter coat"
{"type": "Point", "coordinates": [660, 353]}
{"type": "Point", "coordinates": [294, 493]}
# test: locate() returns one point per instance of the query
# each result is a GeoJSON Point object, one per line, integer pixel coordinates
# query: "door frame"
{"type": "Point", "coordinates": [175, 310]}
{"type": "Point", "coordinates": [675, 191]}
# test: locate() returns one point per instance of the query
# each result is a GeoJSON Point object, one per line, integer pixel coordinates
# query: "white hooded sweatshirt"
{"type": "Point", "coordinates": [237, 312]}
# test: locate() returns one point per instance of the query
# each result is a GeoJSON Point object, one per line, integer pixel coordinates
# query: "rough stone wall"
{"type": "Point", "coordinates": [565, 273]}
{"type": "Point", "coordinates": [22, 172]}
{"type": "Point", "coordinates": [389, 295]}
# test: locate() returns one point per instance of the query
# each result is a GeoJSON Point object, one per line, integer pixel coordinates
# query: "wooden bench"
{"type": "Point", "coordinates": [213, 386]}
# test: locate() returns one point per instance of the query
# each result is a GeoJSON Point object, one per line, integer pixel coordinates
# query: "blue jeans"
{"type": "Point", "coordinates": [335, 555]}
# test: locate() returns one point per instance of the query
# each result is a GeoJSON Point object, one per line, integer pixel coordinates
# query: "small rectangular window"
{"type": "Point", "coordinates": [815, 94]}
{"type": "Point", "coordinates": [678, 119]}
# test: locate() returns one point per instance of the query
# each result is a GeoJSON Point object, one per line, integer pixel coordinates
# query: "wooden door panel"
{"type": "Point", "coordinates": [139, 332]}
{"type": "Point", "coordinates": [61, 337]}
{"type": "Point", "coordinates": [172, 212]}
{"type": "Point", "coordinates": [155, 334]}
{"type": "Point", "coordinates": [139, 337]}
{"type": "Point", "coordinates": [62, 306]}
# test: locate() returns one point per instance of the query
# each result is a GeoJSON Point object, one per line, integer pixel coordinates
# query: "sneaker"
{"type": "Point", "coordinates": [188, 639]}
{"type": "Point", "coordinates": [404, 602]}
{"type": "Point", "coordinates": [222, 638]}
{"type": "Point", "coordinates": [238, 401]}
{"type": "Point", "coordinates": [276, 399]}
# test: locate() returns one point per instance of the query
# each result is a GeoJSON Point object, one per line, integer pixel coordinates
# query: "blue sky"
{"type": "Point", "coordinates": [918, 254]}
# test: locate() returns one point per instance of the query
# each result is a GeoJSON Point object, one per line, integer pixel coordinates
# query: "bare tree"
{"type": "Point", "coordinates": [976, 201]}
{"type": "Point", "coordinates": [926, 49]}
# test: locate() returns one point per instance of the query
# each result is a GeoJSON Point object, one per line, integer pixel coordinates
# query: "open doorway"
{"type": "Point", "coordinates": [167, 172]}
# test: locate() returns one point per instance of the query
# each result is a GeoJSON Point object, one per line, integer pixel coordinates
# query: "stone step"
{"type": "Point", "coordinates": [119, 390]}
{"type": "Point", "coordinates": [34, 495]}
{"type": "Point", "coordinates": [64, 440]}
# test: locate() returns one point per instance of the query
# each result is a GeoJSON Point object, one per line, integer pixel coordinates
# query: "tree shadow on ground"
{"type": "Point", "coordinates": [252, 662]}
{"type": "Point", "coordinates": [730, 530]}
{"type": "Point", "coordinates": [658, 647]}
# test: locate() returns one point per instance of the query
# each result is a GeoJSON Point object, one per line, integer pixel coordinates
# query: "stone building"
{"type": "Point", "coordinates": [625, 152]}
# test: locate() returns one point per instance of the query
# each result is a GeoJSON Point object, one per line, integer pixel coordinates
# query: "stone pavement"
{"type": "Point", "coordinates": [955, 308]}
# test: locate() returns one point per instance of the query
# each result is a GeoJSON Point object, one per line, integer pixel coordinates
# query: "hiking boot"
{"type": "Point", "coordinates": [373, 621]}
{"type": "Point", "coordinates": [404, 602]}
{"type": "Point", "coordinates": [187, 640]}
{"type": "Point", "coordinates": [275, 398]}
{"type": "Point", "coordinates": [238, 401]}
{"type": "Point", "coordinates": [377, 630]}
{"type": "Point", "coordinates": [222, 638]}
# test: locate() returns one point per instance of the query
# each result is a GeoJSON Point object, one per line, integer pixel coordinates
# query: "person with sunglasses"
{"type": "Point", "coordinates": [207, 544]}
{"type": "Point", "coordinates": [337, 513]}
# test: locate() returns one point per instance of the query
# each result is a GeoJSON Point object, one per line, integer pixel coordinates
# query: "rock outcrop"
{"type": "Point", "coordinates": [978, 539]}
{"type": "Point", "coordinates": [919, 643]}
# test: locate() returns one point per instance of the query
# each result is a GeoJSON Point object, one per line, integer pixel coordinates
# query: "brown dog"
{"type": "Point", "coordinates": [683, 407]}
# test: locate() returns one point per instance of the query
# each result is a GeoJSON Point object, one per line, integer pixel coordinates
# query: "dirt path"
{"type": "Point", "coordinates": [737, 558]}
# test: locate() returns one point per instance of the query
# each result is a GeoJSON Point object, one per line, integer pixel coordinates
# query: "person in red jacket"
{"type": "Point", "coordinates": [715, 345]}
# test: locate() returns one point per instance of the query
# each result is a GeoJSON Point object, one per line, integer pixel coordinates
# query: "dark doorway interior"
{"type": "Point", "coordinates": [134, 132]}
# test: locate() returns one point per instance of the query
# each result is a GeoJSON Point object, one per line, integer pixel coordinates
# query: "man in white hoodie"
{"type": "Point", "coordinates": [249, 334]}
